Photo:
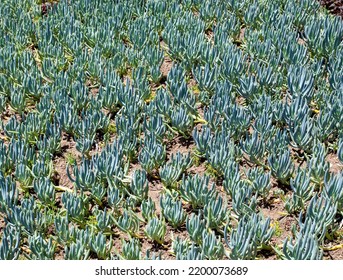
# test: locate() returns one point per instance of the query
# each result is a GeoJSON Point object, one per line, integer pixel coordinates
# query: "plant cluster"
{"type": "Point", "coordinates": [254, 87]}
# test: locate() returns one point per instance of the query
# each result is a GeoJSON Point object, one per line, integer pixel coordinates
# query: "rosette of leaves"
{"type": "Point", "coordinates": [237, 121]}
{"type": "Point", "coordinates": [155, 126]}
{"type": "Point", "coordinates": [320, 216]}
{"type": "Point", "coordinates": [148, 209]}
{"type": "Point", "coordinates": [302, 191]}
{"type": "Point", "coordinates": [131, 250]}
{"type": "Point", "coordinates": [252, 15]}
{"type": "Point", "coordinates": [40, 248]}
{"type": "Point", "coordinates": [99, 245]}
{"type": "Point", "coordinates": [216, 213]}
{"type": "Point", "coordinates": [317, 165]}
{"type": "Point", "coordinates": [325, 124]}
{"type": "Point", "coordinates": [202, 139]}
{"type": "Point", "coordinates": [163, 103]}
{"type": "Point", "coordinates": [329, 29]}
{"type": "Point", "coordinates": [229, 27]}
{"type": "Point", "coordinates": [45, 190]}
{"type": "Point", "coordinates": [65, 231]}
{"type": "Point", "coordinates": [10, 243]}
{"type": "Point", "coordinates": [267, 78]}
{"type": "Point", "coordinates": [85, 137]}
{"type": "Point", "coordinates": [152, 256]}
{"type": "Point", "coordinates": [8, 193]}
{"type": "Point", "coordinates": [126, 125]}
{"type": "Point", "coordinates": [180, 247]}
{"type": "Point", "coordinates": [263, 125]}
{"type": "Point", "coordinates": [195, 225]}
{"type": "Point", "coordinates": [333, 189]}
{"type": "Point", "coordinates": [172, 170]}
{"type": "Point", "coordinates": [248, 87]}
{"type": "Point", "coordinates": [279, 142]}
{"type": "Point", "coordinates": [172, 210]}
{"type": "Point", "coordinates": [195, 190]}
{"type": "Point", "coordinates": [109, 165]}
{"type": "Point", "coordinates": [156, 230]}
{"type": "Point", "coordinates": [128, 222]}
{"type": "Point", "coordinates": [233, 65]}
{"type": "Point", "coordinates": [212, 246]}
{"type": "Point", "coordinates": [17, 100]}
{"type": "Point", "coordinates": [6, 164]}
{"type": "Point", "coordinates": [221, 151]}
{"type": "Point", "coordinates": [78, 91]}
{"type": "Point", "coordinates": [76, 251]}
{"type": "Point", "coordinates": [129, 142]}
{"type": "Point", "coordinates": [139, 186]}
{"type": "Point", "coordinates": [108, 96]}
{"type": "Point", "coordinates": [21, 153]}
{"type": "Point", "coordinates": [77, 206]}
{"type": "Point", "coordinates": [85, 174]}
{"type": "Point", "coordinates": [212, 117]}
{"type": "Point", "coordinates": [140, 83]}
{"type": "Point", "coordinates": [254, 147]}
{"type": "Point", "coordinates": [243, 200]}
{"type": "Point", "coordinates": [300, 82]}
{"type": "Point", "coordinates": [33, 127]}
{"type": "Point", "coordinates": [184, 161]}
{"type": "Point", "coordinates": [231, 177]}
{"type": "Point", "coordinates": [43, 167]}
{"type": "Point", "coordinates": [154, 59]}
{"type": "Point", "coordinates": [296, 111]}
{"type": "Point", "coordinates": [50, 142]}
{"type": "Point", "coordinates": [205, 77]}
{"type": "Point", "coordinates": [29, 216]}
{"type": "Point", "coordinates": [188, 252]}
{"type": "Point", "coordinates": [152, 155]}
{"type": "Point", "coordinates": [251, 234]}
{"type": "Point", "coordinates": [260, 181]}
{"type": "Point", "coordinates": [182, 121]}
{"type": "Point", "coordinates": [114, 197]}
{"type": "Point", "coordinates": [104, 219]}
{"type": "Point", "coordinates": [281, 166]}
{"type": "Point", "coordinates": [305, 246]}
{"type": "Point", "coordinates": [170, 174]}
{"type": "Point", "coordinates": [67, 118]}
{"type": "Point", "coordinates": [302, 133]}
{"type": "Point", "coordinates": [179, 90]}
{"type": "Point", "coordinates": [98, 192]}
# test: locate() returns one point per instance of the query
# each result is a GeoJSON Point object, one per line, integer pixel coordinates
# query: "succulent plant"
{"type": "Point", "coordinates": [304, 247]}
{"type": "Point", "coordinates": [302, 191]}
{"type": "Point", "coordinates": [131, 250]}
{"type": "Point", "coordinates": [40, 248]}
{"type": "Point", "coordinates": [128, 222]}
{"type": "Point", "coordinates": [172, 210]}
{"type": "Point", "coordinates": [45, 190]}
{"type": "Point", "coordinates": [10, 242]}
{"type": "Point", "coordinates": [211, 246]}
{"type": "Point", "coordinates": [148, 209]}
{"type": "Point", "coordinates": [251, 233]}
{"type": "Point", "coordinates": [281, 166]}
{"type": "Point", "coordinates": [104, 89]}
{"type": "Point", "coordinates": [139, 185]}
{"type": "Point", "coordinates": [195, 190]}
{"type": "Point", "coordinates": [156, 230]}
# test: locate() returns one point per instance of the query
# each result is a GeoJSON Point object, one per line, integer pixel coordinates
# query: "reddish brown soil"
{"type": "Point", "coordinates": [335, 165]}
{"type": "Point", "coordinates": [167, 64]}
{"type": "Point", "coordinates": [68, 150]}
{"type": "Point", "coordinates": [334, 6]}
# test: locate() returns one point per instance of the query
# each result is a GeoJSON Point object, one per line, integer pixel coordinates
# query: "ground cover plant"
{"type": "Point", "coordinates": [179, 129]}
